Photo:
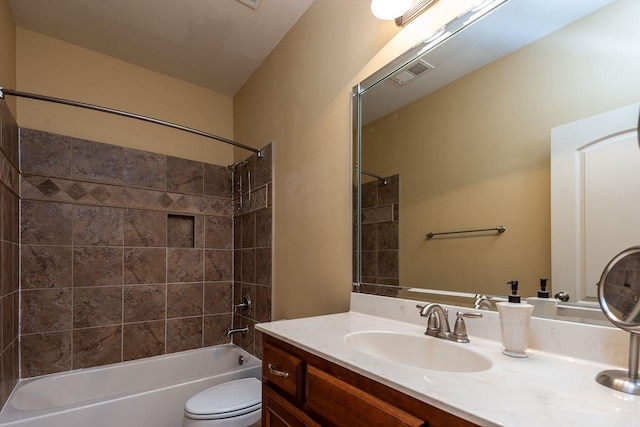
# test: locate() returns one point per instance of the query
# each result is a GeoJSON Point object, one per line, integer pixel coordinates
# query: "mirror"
{"type": "Point", "coordinates": [619, 297]}
{"type": "Point", "coordinates": [464, 143]}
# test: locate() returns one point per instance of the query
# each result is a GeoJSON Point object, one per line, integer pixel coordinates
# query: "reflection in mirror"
{"type": "Point", "coordinates": [619, 297]}
{"type": "Point", "coordinates": [468, 141]}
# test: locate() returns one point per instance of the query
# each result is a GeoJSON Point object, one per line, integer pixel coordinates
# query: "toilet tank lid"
{"type": "Point", "coordinates": [231, 396]}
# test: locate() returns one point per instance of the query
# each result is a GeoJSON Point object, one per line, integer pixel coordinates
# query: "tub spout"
{"type": "Point", "coordinates": [243, 331]}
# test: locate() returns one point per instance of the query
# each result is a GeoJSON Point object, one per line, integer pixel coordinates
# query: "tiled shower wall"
{"type": "Point", "coordinates": [380, 236]}
{"type": "Point", "coordinates": [127, 254]}
{"type": "Point", "coordinates": [9, 249]}
{"type": "Point", "coordinates": [253, 248]}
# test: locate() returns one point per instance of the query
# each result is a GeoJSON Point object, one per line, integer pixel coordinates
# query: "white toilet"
{"type": "Point", "coordinates": [233, 404]}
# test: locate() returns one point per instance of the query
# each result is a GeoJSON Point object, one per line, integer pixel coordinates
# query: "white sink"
{"type": "Point", "coordinates": [420, 351]}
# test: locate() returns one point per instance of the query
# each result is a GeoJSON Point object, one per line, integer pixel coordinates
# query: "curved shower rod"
{"type": "Point", "coordinates": [11, 92]}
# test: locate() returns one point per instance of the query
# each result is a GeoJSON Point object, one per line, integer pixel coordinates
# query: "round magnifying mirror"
{"type": "Point", "coordinates": [619, 297]}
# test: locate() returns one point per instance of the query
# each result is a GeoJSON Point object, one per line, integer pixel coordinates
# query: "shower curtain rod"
{"type": "Point", "coordinates": [11, 92]}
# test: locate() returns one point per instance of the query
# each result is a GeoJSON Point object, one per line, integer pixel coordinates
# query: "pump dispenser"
{"type": "Point", "coordinates": [544, 305]}
{"type": "Point", "coordinates": [514, 323]}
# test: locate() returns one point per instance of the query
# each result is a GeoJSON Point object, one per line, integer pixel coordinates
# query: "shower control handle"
{"type": "Point", "coordinates": [273, 370]}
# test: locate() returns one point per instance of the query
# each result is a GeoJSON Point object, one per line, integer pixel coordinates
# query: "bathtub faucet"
{"type": "Point", "coordinates": [243, 331]}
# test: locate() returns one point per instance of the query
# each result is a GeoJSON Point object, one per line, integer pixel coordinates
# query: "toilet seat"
{"type": "Point", "coordinates": [226, 400]}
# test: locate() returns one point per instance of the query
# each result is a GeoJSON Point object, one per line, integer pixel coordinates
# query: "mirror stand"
{"type": "Point", "coordinates": [625, 381]}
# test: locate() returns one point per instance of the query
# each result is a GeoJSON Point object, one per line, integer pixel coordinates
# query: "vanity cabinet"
{"type": "Point", "coordinates": [301, 389]}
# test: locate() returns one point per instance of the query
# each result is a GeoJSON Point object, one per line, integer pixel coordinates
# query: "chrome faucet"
{"type": "Point", "coordinates": [438, 323]}
{"type": "Point", "coordinates": [243, 331]}
{"type": "Point", "coordinates": [482, 302]}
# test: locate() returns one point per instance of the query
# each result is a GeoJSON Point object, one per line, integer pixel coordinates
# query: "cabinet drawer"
{"type": "Point", "coordinates": [341, 404]}
{"type": "Point", "coordinates": [283, 371]}
{"type": "Point", "coordinates": [278, 412]}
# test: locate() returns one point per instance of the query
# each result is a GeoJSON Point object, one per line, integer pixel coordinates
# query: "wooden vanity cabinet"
{"type": "Point", "coordinates": [303, 390]}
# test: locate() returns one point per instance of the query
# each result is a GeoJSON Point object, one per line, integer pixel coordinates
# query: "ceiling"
{"type": "Point", "coordinates": [216, 44]}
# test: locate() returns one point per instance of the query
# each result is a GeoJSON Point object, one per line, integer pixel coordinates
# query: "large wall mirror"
{"type": "Point", "coordinates": [455, 135]}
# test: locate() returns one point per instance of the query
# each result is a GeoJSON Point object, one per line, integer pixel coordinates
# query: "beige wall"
{"type": "Point", "coordinates": [52, 67]}
{"type": "Point", "coordinates": [300, 99]}
{"type": "Point", "coordinates": [7, 52]}
{"type": "Point", "coordinates": [476, 153]}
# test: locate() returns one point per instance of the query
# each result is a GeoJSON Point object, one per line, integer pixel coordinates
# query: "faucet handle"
{"type": "Point", "coordinates": [460, 329]}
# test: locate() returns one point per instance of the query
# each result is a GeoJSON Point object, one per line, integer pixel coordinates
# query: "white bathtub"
{"type": "Point", "coordinates": [143, 393]}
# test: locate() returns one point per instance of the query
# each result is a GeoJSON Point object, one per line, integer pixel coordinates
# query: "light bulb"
{"type": "Point", "coordinates": [390, 9]}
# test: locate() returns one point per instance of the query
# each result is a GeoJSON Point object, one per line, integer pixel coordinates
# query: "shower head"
{"type": "Point", "coordinates": [234, 167]}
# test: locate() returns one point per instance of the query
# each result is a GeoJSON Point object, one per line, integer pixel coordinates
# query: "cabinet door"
{"type": "Point", "coordinates": [341, 404]}
{"type": "Point", "coordinates": [277, 412]}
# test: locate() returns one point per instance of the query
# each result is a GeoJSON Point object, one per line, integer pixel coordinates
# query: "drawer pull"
{"type": "Point", "coordinates": [273, 370]}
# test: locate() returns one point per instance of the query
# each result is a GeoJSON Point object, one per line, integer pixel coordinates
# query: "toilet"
{"type": "Point", "coordinates": [232, 404]}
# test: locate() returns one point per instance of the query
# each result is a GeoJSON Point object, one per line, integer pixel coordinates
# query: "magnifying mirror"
{"type": "Point", "coordinates": [619, 297]}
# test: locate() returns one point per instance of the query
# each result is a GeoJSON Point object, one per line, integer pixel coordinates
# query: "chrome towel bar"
{"type": "Point", "coordinates": [499, 229]}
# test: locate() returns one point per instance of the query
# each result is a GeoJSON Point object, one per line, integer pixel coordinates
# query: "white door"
{"type": "Point", "coordinates": [595, 198]}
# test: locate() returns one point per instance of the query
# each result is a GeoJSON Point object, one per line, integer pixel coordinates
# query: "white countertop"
{"type": "Point", "coordinates": [541, 390]}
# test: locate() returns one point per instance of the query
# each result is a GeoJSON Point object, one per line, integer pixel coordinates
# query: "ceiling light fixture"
{"type": "Point", "coordinates": [390, 9]}
{"type": "Point", "coordinates": [418, 7]}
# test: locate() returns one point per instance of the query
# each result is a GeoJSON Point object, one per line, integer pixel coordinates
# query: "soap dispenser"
{"type": "Point", "coordinates": [544, 305]}
{"type": "Point", "coordinates": [514, 323]}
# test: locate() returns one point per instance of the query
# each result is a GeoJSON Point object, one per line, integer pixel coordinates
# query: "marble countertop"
{"type": "Point", "coordinates": [541, 390]}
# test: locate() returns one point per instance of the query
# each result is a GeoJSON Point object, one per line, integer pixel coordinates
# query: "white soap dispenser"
{"type": "Point", "coordinates": [514, 323]}
{"type": "Point", "coordinates": [545, 306]}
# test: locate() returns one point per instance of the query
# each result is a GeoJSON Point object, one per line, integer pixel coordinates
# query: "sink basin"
{"type": "Point", "coordinates": [419, 351]}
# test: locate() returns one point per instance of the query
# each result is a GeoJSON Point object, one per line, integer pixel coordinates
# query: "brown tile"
{"type": "Point", "coordinates": [42, 354]}
{"type": "Point", "coordinates": [388, 264]}
{"type": "Point", "coordinates": [97, 306]}
{"type": "Point", "coordinates": [245, 341]}
{"type": "Point", "coordinates": [257, 339]}
{"type": "Point", "coordinates": [45, 153]}
{"type": "Point", "coordinates": [217, 181]}
{"type": "Point", "coordinates": [144, 302]}
{"type": "Point", "coordinates": [218, 232]}
{"type": "Point", "coordinates": [97, 162]}
{"type": "Point", "coordinates": [263, 167]}
{"type": "Point", "coordinates": [145, 169]}
{"type": "Point", "coordinates": [248, 272]}
{"type": "Point", "coordinates": [369, 237]}
{"type": "Point", "coordinates": [143, 340]}
{"type": "Point", "coordinates": [145, 265]}
{"type": "Point", "coordinates": [237, 232]}
{"type": "Point", "coordinates": [97, 266]}
{"type": "Point", "coordinates": [263, 266]}
{"type": "Point", "coordinates": [218, 265]}
{"type": "Point", "coordinates": [388, 236]}
{"type": "Point", "coordinates": [9, 311]}
{"type": "Point", "coordinates": [218, 297]}
{"type": "Point", "coordinates": [184, 176]}
{"type": "Point", "coordinates": [390, 193]}
{"type": "Point", "coordinates": [184, 265]}
{"type": "Point", "coordinates": [215, 329]}
{"type": "Point", "coordinates": [7, 268]}
{"type": "Point", "coordinates": [97, 346]}
{"type": "Point", "coordinates": [248, 230]}
{"type": "Point", "coordinates": [9, 206]}
{"type": "Point", "coordinates": [263, 227]}
{"type": "Point", "coordinates": [184, 299]}
{"type": "Point", "coordinates": [199, 231]}
{"type": "Point", "coordinates": [237, 265]}
{"type": "Point", "coordinates": [263, 304]}
{"type": "Point", "coordinates": [370, 263]}
{"type": "Point", "coordinates": [181, 231]}
{"type": "Point", "coordinates": [8, 370]}
{"type": "Point", "coordinates": [145, 228]}
{"type": "Point", "coordinates": [9, 133]}
{"type": "Point", "coordinates": [184, 334]}
{"type": "Point", "coordinates": [97, 226]}
{"type": "Point", "coordinates": [370, 194]}
{"type": "Point", "coordinates": [44, 310]}
{"type": "Point", "coordinates": [46, 222]}
{"type": "Point", "coordinates": [46, 266]}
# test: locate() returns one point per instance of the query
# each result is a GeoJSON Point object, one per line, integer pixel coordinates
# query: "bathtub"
{"type": "Point", "coordinates": [143, 393]}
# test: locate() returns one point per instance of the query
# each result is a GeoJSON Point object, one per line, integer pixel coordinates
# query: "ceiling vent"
{"type": "Point", "coordinates": [411, 71]}
{"type": "Point", "coordinates": [253, 4]}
